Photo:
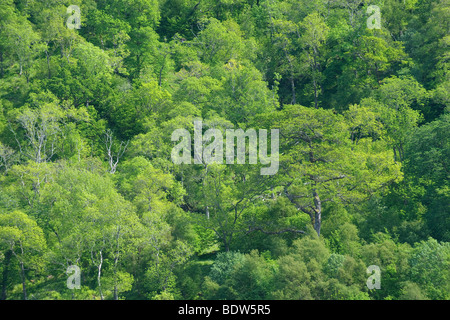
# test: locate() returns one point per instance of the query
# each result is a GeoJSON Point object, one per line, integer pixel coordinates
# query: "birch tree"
{"type": "Point", "coordinates": [24, 239]}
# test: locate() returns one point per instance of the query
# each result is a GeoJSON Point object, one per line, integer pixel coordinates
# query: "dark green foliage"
{"type": "Point", "coordinates": [87, 179]}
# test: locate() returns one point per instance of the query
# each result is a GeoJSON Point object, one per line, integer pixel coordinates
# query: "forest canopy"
{"type": "Point", "coordinates": [91, 92]}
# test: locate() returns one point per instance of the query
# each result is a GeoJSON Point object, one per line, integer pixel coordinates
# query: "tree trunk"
{"type": "Point", "coordinates": [291, 67]}
{"type": "Point", "coordinates": [48, 64]}
{"type": "Point", "coordinates": [5, 274]}
{"type": "Point", "coordinates": [2, 71]}
{"type": "Point", "coordinates": [116, 296]}
{"type": "Point", "coordinates": [22, 269]}
{"type": "Point", "coordinates": [99, 275]}
{"type": "Point", "coordinates": [317, 212]}
{"type": "Point", "coordinates": [315, 71]}
{"type": "Point", "coordinates": [116, 260]}
{"type": "Point", "coordinates": [294, 99]}
{"type": "Point", "coordinates": [316, 105]}
{"type": "Point", "coordinates": [226, 245]}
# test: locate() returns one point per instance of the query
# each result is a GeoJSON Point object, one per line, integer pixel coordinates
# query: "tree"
{"type": "Point", "coordinates": [143, 17]}
{"type": "Point", "coordinates": [237, 276]}
{"type": "Point", "coordinates": [429, 270]}
{"type": "Point", "coordinates": [23, 238]}
{"type": "Point", "coordinates": [90, 223]}
{"type": "Point", "coordinates": [25, 43]}
{"type": "Point", "coordinates": [321, 164]}
{"type": "Point", "coordinates": [426, 154]}
{"type": "Point", "coordinates": [149, 188]}
{"type": "Point", "coordinates": [299, 274]}
{"type": "Point", "coordinates": [44, 128]}
{"type": "Point", "coordinates": [315, 33]}
{"type": "Point", "coordinates": [243, 95]}
{"type": "Point", "coordinates": [112, 155]}
{"type": "Point", "coordinates": [392, 259]}
{"type": "Point", "coordinates": [282, 33]}
{"type": "Point", "coordinates": [220, 42]}
{"type": "Point", "coordinates": [89, 175]}
{"type": "Point", "coordinates": [7, 17]}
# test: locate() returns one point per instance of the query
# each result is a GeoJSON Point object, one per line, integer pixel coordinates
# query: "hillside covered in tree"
{"type": "Point", "coordinates": [90, 98]}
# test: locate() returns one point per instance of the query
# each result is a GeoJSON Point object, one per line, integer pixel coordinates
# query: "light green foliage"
{"type": "Point", "coordinates": [429, 268]}
{"type": "Point", "coordinates": [411, 291]}
{"type": "Point", "coordinates": [224, 264]}
{"type": "Point", "coordinates": [87, 178]}
{"type": "Point", "coordinates": [160, 275]}
{"type": "Point", "coordinates": [21, 235]}
{"type": "Point", "coordinates": [148, 187]}
{"type": "Point", "coordinates": [49, 129]}
{"type": "Point", "coordinates": [221, 42]}
{"type": "Point", "coordinates": [241, 277]}
{"type": "Point", "coordinates": [314, 34]}
{"type": "Point", "coordinates": [334, 263]}
{"type": "Point", "coordinates": [324, 165]}
{"type": "Point", "coordinates": [392, 258]}
{"type": "Point", "coordinates": [24, 239]}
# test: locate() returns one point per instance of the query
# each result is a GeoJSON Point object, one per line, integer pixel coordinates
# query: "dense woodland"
{"type": "Point", "coordinates": [87, 180]}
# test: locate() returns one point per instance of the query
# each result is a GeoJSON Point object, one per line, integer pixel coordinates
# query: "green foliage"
{"type": "Point", "coordinates": [224, 264]}
{"type": "Point", "coordinates": [240, 277]}
{"type": "Point", "coordinates": [87, 179]}
{"type": "Point", "coordinates": [429, 268]}
{"type": "Point", "coordinates": [427, 158]}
